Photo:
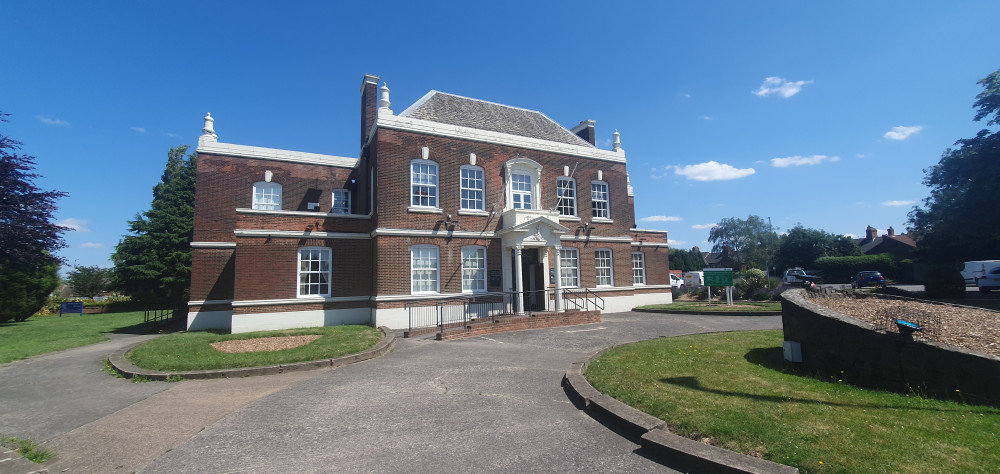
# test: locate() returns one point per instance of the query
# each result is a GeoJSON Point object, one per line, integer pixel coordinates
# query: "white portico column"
{"type": "Point", "coordinates": [518, 281]}
{"type": "Point", "coordinates": [559, 301]}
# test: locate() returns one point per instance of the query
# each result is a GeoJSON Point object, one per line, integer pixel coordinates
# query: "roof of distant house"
{"type": "Point", "coordinates": [483, 115]}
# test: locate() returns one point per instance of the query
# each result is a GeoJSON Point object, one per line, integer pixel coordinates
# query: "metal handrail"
{"type": "Point", "coordinates": [589, 298]}
{"type": "Point", "coordinates": [460, 310]}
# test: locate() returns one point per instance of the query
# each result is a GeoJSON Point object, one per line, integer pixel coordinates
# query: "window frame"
{"type": "Point", "coordinates": [414, 250]}
{"type": "Point", "coordinates": [560, 199]}
{"type": "Point", "coordinates": [260, 188]}
{"type": "Point", "coordinates": [433, 196]}
{"type": "Point", "coordinates": [333, 201]}
{"type": "Point", "coordinates": [326, 252]}
{"type": "Point", "coordinates": [515, 193]}
{"type": "Point", "coordinates": [639, 279]}
{"type": "Point", "coordinates": [481, 190]}
{"type": "Point", "coordinates": [610, 267]}
{"type": "Point", "coordinates": [480, 271]}
{"type": "Point", "coordinates": [573, 279]}
{"type": "Point", "coordinates": [595, 200]}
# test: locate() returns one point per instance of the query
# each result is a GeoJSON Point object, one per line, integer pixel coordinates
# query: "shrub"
{"type": "Point", "coordinates": [24, 290]}
{"type": "Point", "coordinates": [753, 279]}
{"type": "Point", "coordinates": [843, 269]}
{"type": "Point", "coordinates": [944, 281]}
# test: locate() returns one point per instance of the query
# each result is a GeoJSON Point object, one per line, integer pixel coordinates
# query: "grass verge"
{"type": "Point", "coordinates": [27, 449]}
{"type": "Point", "coordinates": [733, 390]}
{"type": "Point", "coordinates": [192, 350]}
{"type": "Point", "coordinates": [716, 306]}
{"type": "Point", "coordinates": [44, 334]}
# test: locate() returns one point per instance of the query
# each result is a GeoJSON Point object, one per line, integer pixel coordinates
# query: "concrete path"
{"type": "Point", "coordinates": [485, 404]}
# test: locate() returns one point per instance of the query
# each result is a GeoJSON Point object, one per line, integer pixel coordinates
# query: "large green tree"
{"type": "Point", "coordinates": [89, 281]}
{"type": "Point", "coordinates": [746, 241]}
{"type": "Point", "coordinates": [801, 246]}
{"type": "Point", "coordinates": [960, 220]}
{"type": "Point", "coordinates": [153, 262]}
{"type": "Point", "coordinates": [28, 237]}
{"type": "Point", "coordinates": [685, 260]}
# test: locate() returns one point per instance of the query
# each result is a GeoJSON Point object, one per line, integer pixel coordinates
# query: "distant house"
{"type": "Point", "coordinates": [715, 259]}
{"type": "Point", "coordinates": [900, 246]}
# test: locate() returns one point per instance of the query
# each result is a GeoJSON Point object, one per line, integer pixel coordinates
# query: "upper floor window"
{"type": "Point", "coordinates": [569, 268]}
{"type": "Point", "coordinates": [266, 196]}
{"type": "Point", "coordinates": [520, 186]}
{"type": "Point", "coordinates": [472, 187]}
{"type": "Point", "coordinates": [602, 260]}
{"type": "Point", "coordinates": [599, 199]}
{"type": "Point", "coordinates": [314, 271]}
{"type": "Point", "coordinates": [566, 196]}
{"type": "Point", "coordinates": [473, 269]}
{"type": "Point", "coordinates": [424, 183]}
{"type": "Point", "coordinates": [638, 268]}
{"type": "Point", "coordinates": [424, 269]}
{"type": "Point", "coordinates": [341, 202]}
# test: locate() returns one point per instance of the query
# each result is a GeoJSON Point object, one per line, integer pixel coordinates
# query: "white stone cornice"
{"type": "Point", "coordinates": [650, 244]}
{"type": "Point", "coordinates": [396, 122]}
{"type": "Point", "coordinates": [298, 234]}
{"type": "Point", "coordinates": [433, 233]}
{"type": "Point", "coordinates": [213, 245]}
{"type": "Point", "coordinates": [311, 300]}
{"type": "Point", "coordinates": [243, 151]}
{"type": "Point", "coordinates": [303, 214]}
{"type": "Point", "coordinates": [208, 302]}
{"type": "Point", "coordinates": [595, 238]}
{"type": "Point", "coordinates": [422, 296]}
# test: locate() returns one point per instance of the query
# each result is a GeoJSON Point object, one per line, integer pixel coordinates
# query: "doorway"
{"type": "Point", "coordinates": [532, 277]}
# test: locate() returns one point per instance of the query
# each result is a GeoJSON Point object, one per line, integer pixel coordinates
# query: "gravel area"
{"type": "Point", "coordinates": [973, 329]}
{"type": "Point", "coordinates": [262, 344]}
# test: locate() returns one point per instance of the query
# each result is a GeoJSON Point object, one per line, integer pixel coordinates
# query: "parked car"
{"type": "Point", "coordinates": [868, 278]}
{"type": "Point", "coordinates": [676, 281]}
{"type": "Point", "coordinates": [989, 281]}
{"type": "Point", "coordinates": [972, 271]}
{"type": "Point", "coordinates": [798, 276]}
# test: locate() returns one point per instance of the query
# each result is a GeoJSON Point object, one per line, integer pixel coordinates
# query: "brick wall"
{"type": "Point", "coordinates": [212, 272]}
{"type": "Point", "coordinates": [268, 268]}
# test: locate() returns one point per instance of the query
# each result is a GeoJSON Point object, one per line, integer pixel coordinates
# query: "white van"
{"type": "Point", "coordinates": [971, 271]}
{"type": "Point", "coordinates": [676, 281]}
{"type": "Point", "coordinates": [694, 279]}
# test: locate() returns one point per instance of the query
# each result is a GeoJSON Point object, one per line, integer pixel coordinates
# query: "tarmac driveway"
{"type": "Point", "coordinates": [485, 404]}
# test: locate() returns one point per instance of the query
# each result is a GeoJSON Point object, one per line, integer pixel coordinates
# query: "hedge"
{"type": "Point", "coordinates": [843, 269]}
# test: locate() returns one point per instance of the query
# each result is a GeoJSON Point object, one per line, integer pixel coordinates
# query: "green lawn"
{"type": "Point", "coordinates": [43, 334]}
{"type": "Point", "coordinates": [191, 350]}
{"type": "Point", "coordinates": [733, 389]}
{"type": "Point", "coordinates": [717, 306]}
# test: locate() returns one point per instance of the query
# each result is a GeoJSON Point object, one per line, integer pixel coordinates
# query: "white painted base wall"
{"type": "Point", "coordinates": [395, 318]}
{"type": "Point", "coordinates": [618, 304]}
{"type": "Point", "coordinates": [643, 299]}
{"type": "Point", "coordinates": [299, 319]}
{"type": "Point", "coordinates": [203, 320]}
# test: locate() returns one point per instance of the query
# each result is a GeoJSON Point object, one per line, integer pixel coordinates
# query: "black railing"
{"type": "Point", "coordinates": [459, 311]}
{"type": "Point", "coordinates": [163, 316]}
{"type": "Point", "coordinates": [582, 299]}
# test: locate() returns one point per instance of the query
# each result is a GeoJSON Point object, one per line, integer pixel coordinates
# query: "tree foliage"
{"type": "Point", "coordinates": [801, 246]}
{"type": "Point", "coordinates": [747, 242]}
{"type": "Point", "coordinates": [960, 219]}
{"type": "Point", "coordinates": [89, 281]}
{"type": "Point", "coordinates": [28, 237]}
{"type": "Point", "coordinates": [153, 262]}
{"type": "Point", "coordinates": [685, 260]}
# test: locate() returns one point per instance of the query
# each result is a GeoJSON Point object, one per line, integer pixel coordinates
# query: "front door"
{"type": "Point", "coordinates": [532, 277]}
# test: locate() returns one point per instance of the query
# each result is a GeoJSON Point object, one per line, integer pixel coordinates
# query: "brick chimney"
{"type": "Point", "coordinates": [369, 105]}
{"type": "Point", "coordinates": [586, 131]}
{"type": "Point", "coordinates": [891, 232]}
{"type": "Point", "coordinates": [871, 233]}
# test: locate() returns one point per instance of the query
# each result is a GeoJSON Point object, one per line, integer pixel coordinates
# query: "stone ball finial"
{"type": "Point", "coordinates": [209, 129]}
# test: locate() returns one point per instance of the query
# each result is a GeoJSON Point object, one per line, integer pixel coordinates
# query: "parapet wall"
{"type": "Point", "coordinates": [831, 342]}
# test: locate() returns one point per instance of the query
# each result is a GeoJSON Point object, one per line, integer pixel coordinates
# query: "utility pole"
{"type": "Point", "coordinates": [770, 245]}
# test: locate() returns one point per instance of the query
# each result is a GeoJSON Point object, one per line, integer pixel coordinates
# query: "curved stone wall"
{"type": "Point", "coordinates": [831, 342]}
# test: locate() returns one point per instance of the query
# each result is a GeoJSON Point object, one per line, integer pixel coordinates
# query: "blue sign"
{"type": "Point", "coordinates": [71, 307]}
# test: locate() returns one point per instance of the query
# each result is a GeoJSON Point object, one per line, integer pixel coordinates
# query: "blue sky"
{"type": "Point", "coordinates": [823, 114]}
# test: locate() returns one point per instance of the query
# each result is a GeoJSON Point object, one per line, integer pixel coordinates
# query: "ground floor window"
{"type": "Point", "coordinates": [473, 269]}
{"type": "Point", "coordinates": [424, 269]}
{"type": "Point", "coordinates": [638, 268]}
{"type": "Point", "coordinates": [569, 268]}
{"type": "Point", "coordinates": [314, 271]}
{"type": "Point", "coordinates": [602, 259]}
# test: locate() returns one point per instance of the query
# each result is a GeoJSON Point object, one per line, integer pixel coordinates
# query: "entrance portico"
{"type": "Point", "coordinates": [527, 237]}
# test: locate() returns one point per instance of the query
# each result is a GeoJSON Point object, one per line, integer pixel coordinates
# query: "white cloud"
{"type": "Point", "coordinates": [91, 245]}
{"type": "Point", "coordinates": [138, 129]}
{"type": "Point", "coordinates": [172, 135]}
{"type": "Point", "coordinates": [861, 155]}
{"type": "Point", "coordinates": [703, 226]}
{"type": "Point", "coordinates": [778, 85]}
{"type": "Point", "coordinates": [660, 219]}
{"type": "Point", "coordinates": [51, 121]}
{"type": "Point", "coordinates": [713, 171]}
{"type": "Point", "coordinates": [706, 117]}
{"type": "Point", "coordinates": [902, 133]}
{"type": "Point", "coordinates": [675, 242]}
{"type": "Point", "coordinates": [79, 225]}
{"type": "Point", "coordinates": [687, 96]}
{"type": "Point", "coordinates": [801, 160]}
{"type": "Point", "coordinates": [897, 203]}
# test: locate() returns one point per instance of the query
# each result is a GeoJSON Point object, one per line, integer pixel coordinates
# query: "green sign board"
{"type": "Point", "coordinates": [718, 277]}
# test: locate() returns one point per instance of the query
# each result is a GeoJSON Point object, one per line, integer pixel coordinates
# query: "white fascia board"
{"type": "Point", "coordinates": [297, 234]}
{"type": "Point", "coordinates": [407, 124]}
{"type": "Point", "coordinates": [651, 231]}
{"type": "Point", "coordinates": [208, 302]}
{"type": "Point", "coordinates": [433, 233]}
{"type": "Point", "coordinates": [213, 245]}
{"type": "Point", "coordinates": [243, 151]}
{"type": "Point", "coordinates": [334, 299]}
{"type": "Point", "coordinates": [649, 244]}
{"type": "Point", "coordinates": [653, 287]}
{"type": "Point", "coordinates": [240, 210]}
{"type": "Point", "coordinates": [593, 238]}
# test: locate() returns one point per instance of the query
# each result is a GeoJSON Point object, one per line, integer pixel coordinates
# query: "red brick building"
{"type": "Point", "coordinates": [454, 200]}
